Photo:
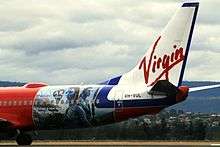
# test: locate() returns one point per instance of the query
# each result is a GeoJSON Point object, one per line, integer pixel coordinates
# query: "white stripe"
{"type": "Point", "coordinates": [214, 144]}
{"type": "Point", "coordinates": [203, 87]}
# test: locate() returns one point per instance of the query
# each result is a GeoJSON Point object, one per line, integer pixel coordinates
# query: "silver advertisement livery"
{"type": "Point", "coordinates": [65, 107]}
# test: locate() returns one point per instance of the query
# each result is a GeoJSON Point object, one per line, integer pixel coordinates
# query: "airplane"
{"type": "Point", "coordinates": [152, 85]}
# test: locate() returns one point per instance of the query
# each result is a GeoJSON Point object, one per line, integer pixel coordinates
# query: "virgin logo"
{"type": "Point", "coordinates": [160, 64]}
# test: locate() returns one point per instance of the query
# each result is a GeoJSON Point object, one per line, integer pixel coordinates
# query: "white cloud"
{"type": "Point", "coordinates": [66, 42]}
{"type": "Point", "coordinates": [203, 65]}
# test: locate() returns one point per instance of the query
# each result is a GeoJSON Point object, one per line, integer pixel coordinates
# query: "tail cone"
{"type": "Point", "coordinates": [182, 94]}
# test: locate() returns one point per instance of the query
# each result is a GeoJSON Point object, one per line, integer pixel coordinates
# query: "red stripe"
{"type": "Point", "coordinates": [126, 113]}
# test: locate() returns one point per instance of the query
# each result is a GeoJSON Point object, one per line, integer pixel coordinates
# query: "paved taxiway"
{"type": "Point", "coordinates": [114, 143]}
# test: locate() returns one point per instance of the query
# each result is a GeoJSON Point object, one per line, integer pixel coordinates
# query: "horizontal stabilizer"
{"type": "Point", "coordinates": [193, 89]}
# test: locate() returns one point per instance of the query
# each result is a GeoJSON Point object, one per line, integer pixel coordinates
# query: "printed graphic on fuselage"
{"type": "Point", "coordinates": [65, 107]}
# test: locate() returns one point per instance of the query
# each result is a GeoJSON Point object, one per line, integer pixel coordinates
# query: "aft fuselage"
{"type": "Point", "coordinates": [77, 106]}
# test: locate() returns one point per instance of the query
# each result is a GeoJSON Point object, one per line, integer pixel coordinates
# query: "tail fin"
{"type": "Point", "coordinates": [167, 56]}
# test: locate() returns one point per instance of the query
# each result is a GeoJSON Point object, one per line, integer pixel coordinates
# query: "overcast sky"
{"type": "Point", "coordinates": [74, 41]}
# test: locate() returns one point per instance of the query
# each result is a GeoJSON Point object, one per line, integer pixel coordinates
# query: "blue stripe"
{"type": "Point", "coordinates": [114, 81]}
{"type": "Point", "coordinates": [103, 102]}
{"type": "Point", "coordinates": [196, 5]}
{"type": "Point", "coordinates": [101, 99]}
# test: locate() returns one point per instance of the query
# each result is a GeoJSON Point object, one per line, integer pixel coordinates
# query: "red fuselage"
{"type": "Point", "coordinates": [16, 105]}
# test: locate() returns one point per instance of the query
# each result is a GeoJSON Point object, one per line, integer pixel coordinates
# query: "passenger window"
{"type": "Point", "coordinates": [9, 103]}
{"type": "Point", "coordinates": [15, 103]}
{"type": "Point", "coordinates": [20, 103]}
{"type": "Point", "coordinates": [0, 103]}
{"type": "Point", "coordinates": [30, 102]}
{"type": "Point", "coordinates": [25, 102]}
{"type": "Point", "coordinates": [5, 103]}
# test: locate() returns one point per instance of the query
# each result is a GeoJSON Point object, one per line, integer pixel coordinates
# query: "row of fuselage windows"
{"type": "Point", "coordinates": [26, 102]}
{"type": "Point", "coordinates": [16, 103]}
{"type": "Point", "coordinates": [53, 102]}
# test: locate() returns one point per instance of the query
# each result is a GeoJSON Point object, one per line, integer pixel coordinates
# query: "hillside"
{"type": "Point", "coordinates": [8, 84]}
{"type": "Point", "coordinates": [206, 101]}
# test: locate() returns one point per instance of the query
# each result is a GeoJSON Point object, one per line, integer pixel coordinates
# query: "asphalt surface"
{"type": "Point", "coordinates": [113, 143]}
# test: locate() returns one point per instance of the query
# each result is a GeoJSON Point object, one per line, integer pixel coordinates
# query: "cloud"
{"type": "Point", "coordinates": [208, 12]}
{"type": "Point", "coordinates": [203, 65]}
{"type": "Point", "coordinates": [68, 42]}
